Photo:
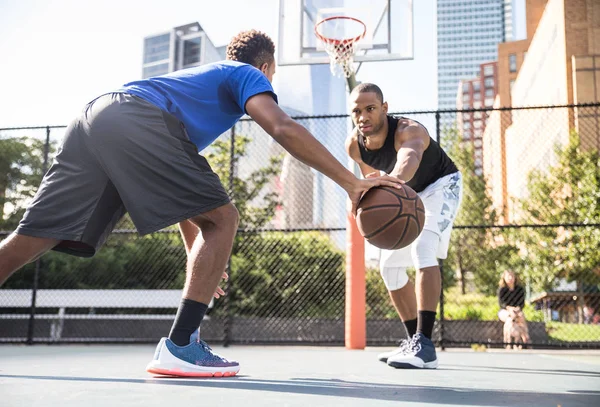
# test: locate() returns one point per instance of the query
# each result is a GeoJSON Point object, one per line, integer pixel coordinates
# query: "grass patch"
{"type": "Point", "coordinates": [478, 307]}
{"type": "Point", "coordinates": [563, 332]}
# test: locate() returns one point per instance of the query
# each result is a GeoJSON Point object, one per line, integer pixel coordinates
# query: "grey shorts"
{"type": "Point", "coordinates": [123, 154]}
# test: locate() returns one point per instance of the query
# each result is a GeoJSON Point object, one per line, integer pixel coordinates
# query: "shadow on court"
{"type": "Point", "coordinates": [520, 370]}
{"type": "Point", "coordinates": [361, 390]}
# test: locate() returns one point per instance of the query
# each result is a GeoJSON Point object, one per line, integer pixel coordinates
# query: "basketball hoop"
{"type": "Point", "coordinates": [341, 47]}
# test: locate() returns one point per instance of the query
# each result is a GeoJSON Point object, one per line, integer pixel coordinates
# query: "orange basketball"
{"type": "Point", "coordinates": [390, 218]}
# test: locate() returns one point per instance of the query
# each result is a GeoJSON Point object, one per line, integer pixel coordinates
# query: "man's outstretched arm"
{"type": "Point", "coordinates": [303, 146]}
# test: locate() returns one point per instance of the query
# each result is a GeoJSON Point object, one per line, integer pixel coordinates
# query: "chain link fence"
{"type": "Point", "coordinates": [531, 205]}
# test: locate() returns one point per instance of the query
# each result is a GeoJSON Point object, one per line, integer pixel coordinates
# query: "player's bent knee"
{"type": "Point", "coordinates": [425, 250]}
{"type": "Point", "coordinates": [231, 214]}
{"type": "Point", "coordinates": [394, 278]}
{"type": "Point", "coordinates": [229, 217]}
{"type": "Point", "coordinates": [223, 217]}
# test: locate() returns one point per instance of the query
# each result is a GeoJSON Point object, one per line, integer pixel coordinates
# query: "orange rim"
{"type": "Point", "coordinates": [343, 41]}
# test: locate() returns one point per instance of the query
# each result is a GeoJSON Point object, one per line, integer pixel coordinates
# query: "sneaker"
{"type": "Point", "coordinates": [400, 350]}
{"type": "Point", "coordinates": [194, 360]}
{"type": "Point", "coordinates": [419, 355]}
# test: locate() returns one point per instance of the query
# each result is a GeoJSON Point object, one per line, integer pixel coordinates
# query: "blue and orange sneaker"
{"type": "Point", "coordinates": [194, 360]}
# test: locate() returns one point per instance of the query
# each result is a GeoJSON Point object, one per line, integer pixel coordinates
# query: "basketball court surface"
{"type": "Point", "coordinates": [114, 375]}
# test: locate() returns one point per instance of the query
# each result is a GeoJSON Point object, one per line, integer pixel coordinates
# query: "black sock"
{"type": "Point", "coordinates": [411, 327]}
{"type": "Point", "coordinates": [188, 318]}
{"type": "Point", "coordinates": [425, 323]}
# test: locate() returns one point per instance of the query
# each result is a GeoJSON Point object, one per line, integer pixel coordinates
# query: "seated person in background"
{"type": "Point", "coordinates": [511, 298]}
{"type": "Point", "coordinates": [510, 294]}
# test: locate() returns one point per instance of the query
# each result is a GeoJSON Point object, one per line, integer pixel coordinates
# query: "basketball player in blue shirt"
{"type": "Point", "coordinates": [402, 148]}
{"type": "Point", "coordinates": [136, 150]}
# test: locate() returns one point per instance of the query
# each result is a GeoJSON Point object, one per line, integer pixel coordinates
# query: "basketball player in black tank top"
{"type": "Point", "coordinates": [402, 148]}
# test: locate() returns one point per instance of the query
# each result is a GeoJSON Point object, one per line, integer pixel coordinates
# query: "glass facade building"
{"type": "Point", "coordinates": [468, 35]}
{"type": "Point", "coordinates": [181, 47]}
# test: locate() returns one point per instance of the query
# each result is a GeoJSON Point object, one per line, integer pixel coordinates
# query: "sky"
{"type": "Point", "coordinates": [58, 55]}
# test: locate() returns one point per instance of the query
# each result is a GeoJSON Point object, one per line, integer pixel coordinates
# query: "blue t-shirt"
{"type": "Point", "coordinates": [208, 99]}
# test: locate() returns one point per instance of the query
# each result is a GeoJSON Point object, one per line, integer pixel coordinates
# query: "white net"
{"type": "Point", "coordinates": [341, 58]}
{"type": "Point", "coordinates": [339, 37]}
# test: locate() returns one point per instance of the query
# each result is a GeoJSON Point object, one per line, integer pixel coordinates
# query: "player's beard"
{"type": "Point", "coordinates": [375, 129]}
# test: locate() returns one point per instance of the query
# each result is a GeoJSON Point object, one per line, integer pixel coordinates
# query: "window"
{"type": "Point", "coordinates": [488, 70]}
{"type": "Point", "coordinates": [477, 115]}
{"type": "Point", "coordinates": [155, 70]}
{"type": "Point", "coordinates": [489, 92]}
{"type": "Point", "coordinates": [191, 51]}
{"type": "Point", "coordinates": [489, 102]}
{"type": "Point", "coordinates": [477, 96]}
{"type": "Point", "coordinates": [512, 62]}
{"type": "Point", "coordinates": [489, 82]}
{"type": "Point", "coordinates": [156, 48]}
{"type": "Point", "coordinates": [476, 86]}
{"type": "Point", "coordinates": [465, 87]}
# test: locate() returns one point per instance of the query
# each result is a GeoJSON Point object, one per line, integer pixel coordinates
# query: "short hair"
{"type": "Point", "coordinates": [369, 87]}
{"type": "Point", "coordinates": [251, 47]}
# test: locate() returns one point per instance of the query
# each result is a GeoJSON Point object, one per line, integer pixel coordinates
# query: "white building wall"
{"type": "Point", "coordinates": [542, 80]}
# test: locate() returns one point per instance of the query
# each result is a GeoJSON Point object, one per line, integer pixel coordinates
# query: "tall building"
{"type": "Point", "coordinates": [561, 67]}
{"type": "Point", "coordinates": [475, 94]}
{"type": "Point", "coordinates": [468, 35]}
{"type": "Point", "coordinates": [181, 47]}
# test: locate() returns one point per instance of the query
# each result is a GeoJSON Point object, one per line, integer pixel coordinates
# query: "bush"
{"type": "Point", "coordinates": [127, 261]}
{"type": "Point", "coordinates": [287, 274]}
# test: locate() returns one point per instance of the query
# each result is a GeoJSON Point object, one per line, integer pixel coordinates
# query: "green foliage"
{"type": "Point", "coordinates": [479, 307]}
{"type": "Point", "coordinates": [154, 261]}
{"type": "Point", "coordinates": [21, 171]}
{"type": "Point", "coordinates": [287, 274]}
{"type": "Point", "coordinates": [245, 192]}
{"type": "Point", "coordinates": [478, 251]}
{"type": "Point", "coordinates": [563, 332]}
{"type": "Point", "coordinates": [568, 192]}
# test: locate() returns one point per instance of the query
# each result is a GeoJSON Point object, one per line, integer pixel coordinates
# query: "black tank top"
{"type": "Point", "coordinates": [434, 165]}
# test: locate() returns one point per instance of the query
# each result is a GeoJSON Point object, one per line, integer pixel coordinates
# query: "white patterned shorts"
{"type": "Point", "coordinates": [442, 200]}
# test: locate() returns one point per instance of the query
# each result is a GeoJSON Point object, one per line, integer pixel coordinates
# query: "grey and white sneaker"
{"type": "Point", "coordinates": [400, 350]}
{"type": "Point", "coordinates": [420, 355]}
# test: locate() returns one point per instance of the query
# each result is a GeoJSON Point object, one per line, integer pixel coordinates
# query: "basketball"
{"type": "Point", "coordinates": [390, 218]}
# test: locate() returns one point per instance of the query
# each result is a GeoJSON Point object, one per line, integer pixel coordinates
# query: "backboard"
{"type": "Point", "coordinates": [389, 24]}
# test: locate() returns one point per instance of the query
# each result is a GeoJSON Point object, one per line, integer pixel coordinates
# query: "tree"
{"type": "Point", "coordinates": [298, 274]}
{"type": "Point", "coordinates": [248, 192]}
{"type": "Point", "coordinates": [480, 251]}
{"type": "Point", "coordinates": [565, 193]}
{"type": "Point", "coordinates": [21, 171]}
